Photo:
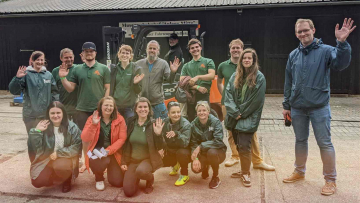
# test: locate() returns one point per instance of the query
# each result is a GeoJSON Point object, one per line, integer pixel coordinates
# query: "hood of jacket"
{"type": "Point", "coordinates": [32, 69]}
{"type": "Point", "coordinates": [314, 45]}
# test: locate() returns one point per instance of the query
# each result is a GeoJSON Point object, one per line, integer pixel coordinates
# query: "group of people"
{"type": "Point", "coordinates": [116, 118]}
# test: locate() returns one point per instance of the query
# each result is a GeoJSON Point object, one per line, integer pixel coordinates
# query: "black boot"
{"type": "Point", "coordinates": [149, 185]}
{"type": "Point", "coordinates": [66, 187]}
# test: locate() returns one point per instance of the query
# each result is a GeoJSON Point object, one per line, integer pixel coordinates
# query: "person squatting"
{"type": "Point", "coordinates": [92, 117]}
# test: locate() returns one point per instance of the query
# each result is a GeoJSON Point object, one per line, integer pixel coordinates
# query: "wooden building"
{"type": "Point", "coordinates": [267, 27]}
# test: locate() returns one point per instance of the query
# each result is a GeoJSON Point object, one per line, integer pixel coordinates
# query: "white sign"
{"type": "Point", "coordinates": [128, 25]}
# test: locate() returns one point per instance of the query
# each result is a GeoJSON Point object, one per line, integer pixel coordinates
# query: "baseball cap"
{"type": "Point", "coordinates": [174, 36]}
{"type": "Point", "coordinates": [89, 45]}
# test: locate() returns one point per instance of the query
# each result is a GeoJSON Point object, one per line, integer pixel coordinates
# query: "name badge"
{"type": "Point", "coordinates": [211, 128]}
{"type": "Point", "coordinates": [144, 129]}
{"type": "Point", "coordinates": [47, 81]}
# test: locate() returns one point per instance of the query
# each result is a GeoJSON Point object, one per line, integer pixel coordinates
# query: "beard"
{"type": "Point", "coordinates": [151, 57]}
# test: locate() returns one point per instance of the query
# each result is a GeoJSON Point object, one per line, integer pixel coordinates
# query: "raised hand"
{"type": "Point", "coordinates": [158, 126]}
{"type": "Point", "coordinates": [138, 78]}
{"type": "Point", "coordinates": [96, 118]}
{"type": "Point", "coordinates": [170, 134]}
{"type": "Point", "coordinates": [63, 70]}
{"type": "Point", "coordinates": [43, 125]}
{"type": "Point", "coordinates": [342, 34]}
{"type": "Point", "coordinates": [175, 65]}
{"type": "Point", "coordinates": [21, 72]}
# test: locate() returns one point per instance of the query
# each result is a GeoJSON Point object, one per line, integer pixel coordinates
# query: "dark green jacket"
{"type": "Point", "coordinates": [39, 91]}
{"type": "Point", "coordinates": [209, 136]}
{"type": "Point", "coordinates": [182, 129]}
{"type": "Point", "coordinates": [129, 91]}
{"type": "Point", "coordinates": [154, 141]}
{"type": "Point", "coordinates": [251, 106]}
{"type": "Point", "coordinates": [42, 145]}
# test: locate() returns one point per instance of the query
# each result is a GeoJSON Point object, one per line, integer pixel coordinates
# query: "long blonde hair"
{"type": "Point", "coordinates": [250, 74]}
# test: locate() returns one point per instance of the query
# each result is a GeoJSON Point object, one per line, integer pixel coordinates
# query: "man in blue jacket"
{"type": "Point", "coordinates": [307, 95]}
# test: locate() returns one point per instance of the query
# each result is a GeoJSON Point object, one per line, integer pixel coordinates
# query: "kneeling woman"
{"type": "Point", "coordinates": [177, 132]}
{"type": "Point", "coordinates": [106, 129]}
{"type": "Point", "coordinates": [56, 145]}
{"type": "Point", "coordinates": [207, 144]}
{"type": "Point", "coordinates": [143, 150]}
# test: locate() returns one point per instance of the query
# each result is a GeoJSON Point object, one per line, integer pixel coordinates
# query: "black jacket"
{"type": "Point", "coordinates": [175, 51]}
{"type": "Point", "coordinates": [155, 143]}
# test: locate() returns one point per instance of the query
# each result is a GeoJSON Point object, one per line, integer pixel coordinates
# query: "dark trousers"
{"type": "Point", "coordinates": [191, 112]}
{"type": "Point", "coordinates": [182, 156]}
{"type": "Point", "coordinates": [213, 157]}
{"type": "Point", "coordinates": [55, 172]}
{"type": "Point", "coordinates": [72, 117]}
{"type": "Point", "coordinates": [243, 146]}
{"type": "Point", "coordinates": [81, 118]}
{"type": "Point", "coordinates": [134, 173]}
{"type": "Point", "coordinates": [115, 175]}
{"type": "Point", "coordinates": [31, 123]}
{"type": "Point", "coordinates": [126, 112]}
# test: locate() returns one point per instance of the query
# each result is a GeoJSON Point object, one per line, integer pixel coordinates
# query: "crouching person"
{"type": "Point", "coordinates": [106, 129]}
{"type": "Point", "coordinates": [207, 144]}
{"type": "Point", "coordinates": [143, 150]}
{"type": "Point", "coordinates": [56, 145]}
{"type": "Point", "coordinates": [176, 133]}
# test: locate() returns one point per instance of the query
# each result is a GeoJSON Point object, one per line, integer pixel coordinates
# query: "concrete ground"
{"type": "Point", "coordinates": [277, 145]}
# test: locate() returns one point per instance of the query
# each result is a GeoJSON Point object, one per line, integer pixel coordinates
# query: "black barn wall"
{"type": "Point", "coordinates": [269, 31]}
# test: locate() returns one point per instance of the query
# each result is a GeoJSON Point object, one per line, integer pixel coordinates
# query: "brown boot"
{"type": "Point", "coordinates": [329, 188]}
{"type": "Point", "coordinates": [293, 178]}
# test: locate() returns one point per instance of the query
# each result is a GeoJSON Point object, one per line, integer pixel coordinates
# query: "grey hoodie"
{"type": "Point", "coordinates": [39, 89]}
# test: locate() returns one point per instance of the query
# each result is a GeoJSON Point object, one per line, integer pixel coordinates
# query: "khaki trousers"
{"type": "Point", "coordinates": [255, 148]}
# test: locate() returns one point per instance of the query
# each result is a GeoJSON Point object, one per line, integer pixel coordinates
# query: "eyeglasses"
{"type": "Point", "coordinates": [303, 31]}
{"type": "Point", "coordinates": [202, 102]}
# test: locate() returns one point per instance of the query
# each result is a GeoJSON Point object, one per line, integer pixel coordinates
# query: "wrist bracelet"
{"type": "Point", "coordinates": [62, 78]}
{"type": "Point", "coordinates": [196, 158]}
{"type": "Point", "coordinates": [38, 130]}
{"type": "Point", "coordinates": [197, 87]}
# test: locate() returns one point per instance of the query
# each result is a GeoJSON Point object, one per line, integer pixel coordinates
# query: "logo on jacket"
{"type": "Point", "coordinates": [202, 65]}
{"type": "Point", "coordinates": [97, 72]}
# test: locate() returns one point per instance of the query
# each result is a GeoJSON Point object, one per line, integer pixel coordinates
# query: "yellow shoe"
{"type": "Point", "coordinates": [175, 169]}
{"type": "Point", "coordinates": [182, 180]}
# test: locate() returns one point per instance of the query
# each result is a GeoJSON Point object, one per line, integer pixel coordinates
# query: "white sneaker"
{"type": "Point", "coordinates": [100, 186]}
{"type": "Point", "coordinates": [232, 161]}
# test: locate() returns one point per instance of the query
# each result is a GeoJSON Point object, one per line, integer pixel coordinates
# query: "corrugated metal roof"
{"type": "Point", "coordinates": [49, 6]}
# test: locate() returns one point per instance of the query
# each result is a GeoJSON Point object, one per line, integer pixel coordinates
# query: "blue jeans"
{"type": "Point", "coordinates": [126, 112]}
{"type": "Point", "coordinates": [320, 120]}
{"type": "Point", "coordinates": [160, 111]}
